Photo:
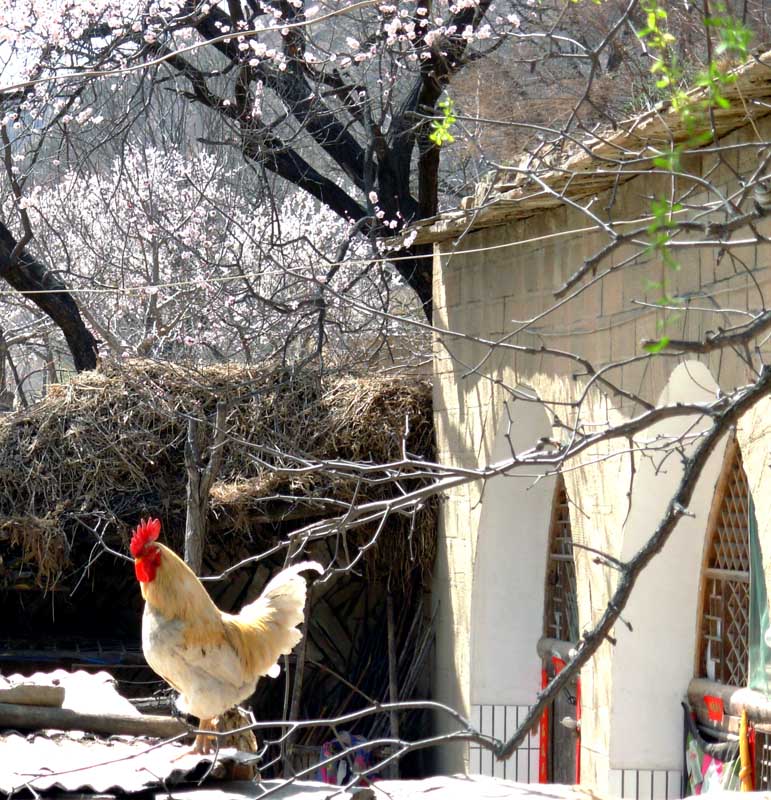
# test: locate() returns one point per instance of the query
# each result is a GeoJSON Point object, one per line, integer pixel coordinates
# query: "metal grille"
{"type": "Point", "coordinates": [726, 581]}
{"type": "Point", "coordinates": [501, 721]}
{"type": "Point", "coordinates": [645, 784]}
{"type": "Point", "coordinates": [762, 758]}
{"type": "Point", "coordinates": [561, 607]}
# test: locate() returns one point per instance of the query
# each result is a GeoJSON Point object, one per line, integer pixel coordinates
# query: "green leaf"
{"type": "Point", "coordinates": [441, 128]}
{"type": "Point", "coordinates": [657, 347]}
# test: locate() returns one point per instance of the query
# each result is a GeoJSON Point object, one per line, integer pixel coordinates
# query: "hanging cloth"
{"type": "Point", "coordinates": [759, 634]}
{"type": "Point", "coordinates": [710, 766]}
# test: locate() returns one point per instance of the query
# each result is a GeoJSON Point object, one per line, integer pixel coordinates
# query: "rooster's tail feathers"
{"type": "Point", "coordinates": [275, 614]}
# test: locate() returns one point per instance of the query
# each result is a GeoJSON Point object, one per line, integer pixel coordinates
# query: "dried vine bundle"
{"type": "Point", "coordinates": [108, 447]}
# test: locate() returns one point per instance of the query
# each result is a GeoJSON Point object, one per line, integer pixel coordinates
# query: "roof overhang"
{"type": "Point", "coordinates": [583, 168]}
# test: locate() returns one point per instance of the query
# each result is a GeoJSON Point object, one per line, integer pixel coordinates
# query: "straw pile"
{"type": "Point", "coordinates": [109, 447]}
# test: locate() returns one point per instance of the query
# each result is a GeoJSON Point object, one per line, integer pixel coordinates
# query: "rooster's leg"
{"type": "Point", "coordinates": [202, 744]}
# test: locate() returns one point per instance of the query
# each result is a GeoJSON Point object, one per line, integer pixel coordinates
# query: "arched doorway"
{"type": "Point", "coordinates": [560, 731]}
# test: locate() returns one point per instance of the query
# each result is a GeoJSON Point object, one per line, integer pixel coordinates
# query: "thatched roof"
{"type": "Point", "coordinates": [581, 168]}
{"type": "Point", "coordinates": [108, 447]}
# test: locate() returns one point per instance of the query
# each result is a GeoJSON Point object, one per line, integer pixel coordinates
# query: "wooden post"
{"type": "Point", "coordinates": [194, 521]}
{"type": "Point", "coordinates": [393, 678]}
{"type": "Point", "coordinates": [297, 689]}
{"type": "Point", "coordinates": [745, 760]}
{"type": "Point", "coordinates": [200, 477]}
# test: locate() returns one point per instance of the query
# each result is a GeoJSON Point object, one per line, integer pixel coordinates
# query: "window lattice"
{"type": "Point", "coordinates": [726, 582]}
{"type": "Point", "coordinates": [561, 618]}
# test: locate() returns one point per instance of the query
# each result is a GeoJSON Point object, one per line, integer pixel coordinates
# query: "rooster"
{"type": "Point", "coordinates": [211, 658]}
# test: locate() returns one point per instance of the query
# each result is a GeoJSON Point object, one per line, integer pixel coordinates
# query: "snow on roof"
{"type": "Point", "coordinates": [75, 760]}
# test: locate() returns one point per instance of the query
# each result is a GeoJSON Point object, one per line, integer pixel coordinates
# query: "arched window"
{"type": "Point", "coordinates": [725, 583]}
{"type": "Point", "coordinates": [560, 605]}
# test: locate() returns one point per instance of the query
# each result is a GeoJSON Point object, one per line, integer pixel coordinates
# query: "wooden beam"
{"type": "Point", "coordinates": [734, 699]}
{"type": "Point", "coordinates": [33, 695]}
{"type": "Point", "coordinates": [13, 715]}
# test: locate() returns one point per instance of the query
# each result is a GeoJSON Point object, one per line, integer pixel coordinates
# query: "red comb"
{"type": "Point", "coordinates": [146, 531]}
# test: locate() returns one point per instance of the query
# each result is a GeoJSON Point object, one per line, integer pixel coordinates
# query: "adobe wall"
{"type": "Point", "coordinates": [486, 287]}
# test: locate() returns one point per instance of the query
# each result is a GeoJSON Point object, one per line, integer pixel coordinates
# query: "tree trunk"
{"type": "Point", "coordinates": [51, 375]}
{"type": "Point", "coordinates": [19, 390]}
{"type": "Point", "coordinates": [27, 275]}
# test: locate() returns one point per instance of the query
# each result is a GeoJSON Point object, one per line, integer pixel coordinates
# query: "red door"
{"type": "Point", "coordinates": [560, 733]}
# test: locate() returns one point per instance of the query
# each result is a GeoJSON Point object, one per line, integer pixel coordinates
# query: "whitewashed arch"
{"type": "Point", "coordinates": [653, 663]}
{"type": "Point", "coordinates": [509, 573]}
